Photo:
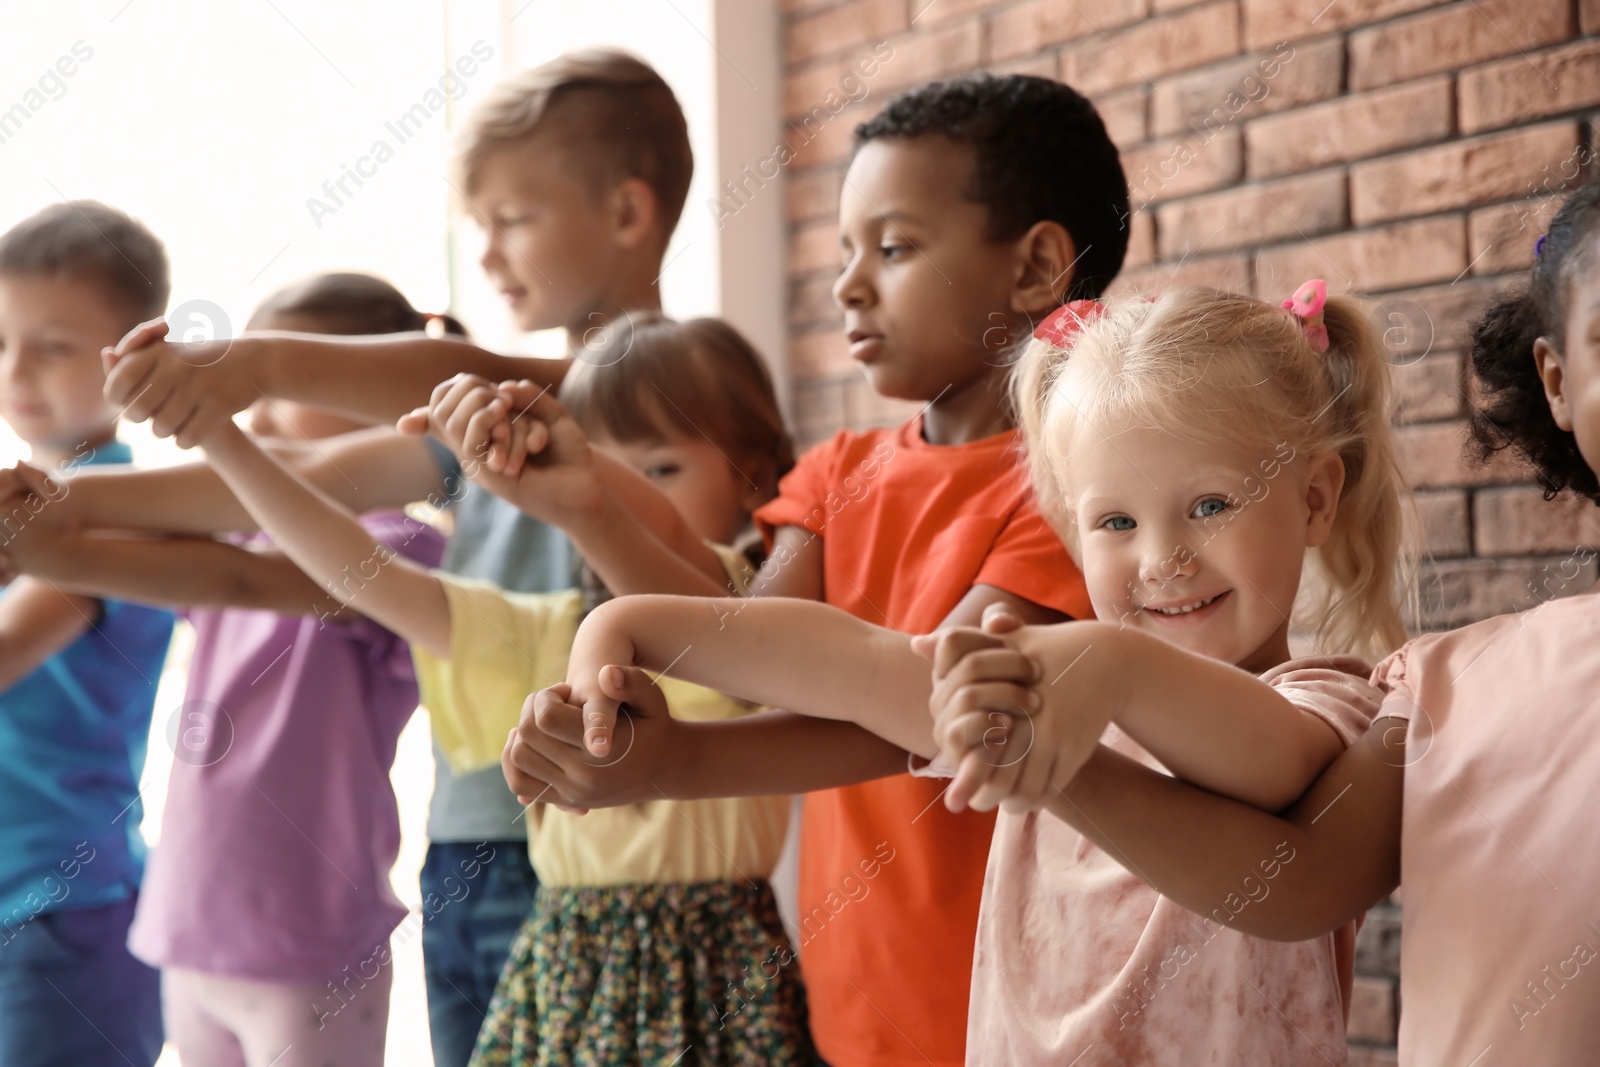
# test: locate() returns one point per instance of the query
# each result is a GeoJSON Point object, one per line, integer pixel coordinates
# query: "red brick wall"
{"type": "Point", "coordinates": [1408, 150]}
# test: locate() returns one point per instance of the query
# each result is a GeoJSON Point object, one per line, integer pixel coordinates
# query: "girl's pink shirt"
{"type": "Point", "coordinates": [1081, 962]}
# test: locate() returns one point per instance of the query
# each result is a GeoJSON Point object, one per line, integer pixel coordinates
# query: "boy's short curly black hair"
{"type": "Point", "coordinates": [1040, 152]}
{"type": "Point", "coordinates": [1509, 406]}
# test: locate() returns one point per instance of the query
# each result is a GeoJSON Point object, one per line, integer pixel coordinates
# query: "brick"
{"type": "Point", "coordinates": [1372, 1010]}
{"type": "Point", "coordinates": [1501, 238]}
{"type": "Point", "coordinates": [1519, 521]}
{"type": "Point", "coordinates": [1394, 257]}
{"type": "Point", "coordinates": [1458, 592]}
{"type": "Point", "coordinates": [1304, 206]}
{"type": "Point", "coordinates": [1266, 22]}
{"type": "Point", "coordinates": [820, 143]}
{"type": "Point", "coordinates": [1406, 332]}
{"type": "Point", "coordinates": [1378, 943]}
{"type": "Point", "coordinates": [924, 57]}
{"type": "Point", "coordinates": [814, 246]}
{"type": "Point", "coordinates": [1458, 174]}
{"type": "Point", "coordinates": [818, 407]}
{"type": "Point", "coordinates": [812, 194]}
{"type": "Point", "coordinates": [1361, 1056]}
{"type": "Point", "coordinates": [1124, 114]}
{"type": "Point", "coordinates": [1427, 390]}
{"type": "Point", "coordinates": [1433, 455]}
{"type": "Point", "coordinates": [1039, 65]}
{"type": "Point", "coordinates": [1141, 240]}
{"type": "Point", "coordinates": [1353, 127]}
{"type": "Point", "coordinates": [840, 28]}
{"type": "Point", "coordinates": [1267, 82]}
{"type": "Point", "coordinates": [1036, 24]}
{"type": "Point", "coordinates": [1442, 521]}
{"type": "Point", "coordinates": [925, 14]}
{"type": "Point", "coordinates": [818, 354]}
{"type": "Point", "coordinates": [811, 302]}
{"type": "Point", "coordinates": [1589, 16]}
{"type": "Point", "coordinates": [1165, 170]}
{"type": "Point", "coordinates": [1230, 273]}
{"type": "Point", "coordinates": [808, 87]}
{"type": "Point", "coordinates": [1443, 315]}
{"type": "Point", "coordinates": [1530, 86]}
{"type": "Point", "coordinates": [1153, 48]}
{"type": "Point", "coordinates": [1454, 36]}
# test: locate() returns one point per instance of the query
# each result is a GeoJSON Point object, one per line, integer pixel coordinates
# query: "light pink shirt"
{"type": "Point", "coordinates": [1080, 962]}
{"type": "Point", "coordinates": [1500, 845]}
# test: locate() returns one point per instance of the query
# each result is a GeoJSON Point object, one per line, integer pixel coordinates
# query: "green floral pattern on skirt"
{"type": "Point", "coordinates": [677, 974]}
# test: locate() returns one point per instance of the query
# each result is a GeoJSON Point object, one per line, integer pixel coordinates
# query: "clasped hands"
{"type": "Point", "coordinates": [1016, 712]}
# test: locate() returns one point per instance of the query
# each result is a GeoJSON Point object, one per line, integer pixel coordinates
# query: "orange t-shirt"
{"type": "Point", "coordinates": [889, 879]}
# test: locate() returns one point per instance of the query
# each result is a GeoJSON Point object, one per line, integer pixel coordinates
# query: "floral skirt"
{"type": "Point", "coordinates": [676, 974]}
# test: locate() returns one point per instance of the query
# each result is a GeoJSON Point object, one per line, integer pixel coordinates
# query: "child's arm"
{"type": "Point", "coordinates": [36, 622]}
{"type": "Point", "coordinates": [186, 389]}
{"type": "Point", "coordinates": [330, 545]}
{"type": "Point", "coordinates": [515, 440]}
{"type": "Point", "coordinates": [363, 470]}
{"type": "Point", "coordinates": [769, 753]}
{"type": "Point", "coordinates": [1196, 715]}
{"type": "Point", "coordinates": [1287, 877]}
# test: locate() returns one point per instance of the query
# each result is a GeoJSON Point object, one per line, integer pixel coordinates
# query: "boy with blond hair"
{"type": "Point", "coordinates": [577, 170]}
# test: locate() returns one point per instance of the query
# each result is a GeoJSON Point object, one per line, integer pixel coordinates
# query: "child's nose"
{"type": "Point", "coordinates": [851, 289]}
{"type": "Point", "coordinates": [1167, 559]}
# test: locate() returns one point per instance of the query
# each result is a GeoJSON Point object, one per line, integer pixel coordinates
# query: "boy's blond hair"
{"type": "Point", "coordinates": [611, 113]}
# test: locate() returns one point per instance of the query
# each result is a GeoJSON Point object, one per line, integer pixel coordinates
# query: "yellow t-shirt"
{"type": "Point", "coordinates": [506, 645]}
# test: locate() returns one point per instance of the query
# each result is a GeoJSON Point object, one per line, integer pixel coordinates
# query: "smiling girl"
{"type": "Point", "coordinates": [1199, 452]}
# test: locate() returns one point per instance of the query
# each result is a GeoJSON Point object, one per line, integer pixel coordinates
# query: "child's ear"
{"type": "Point", "coordinates": [1548, 362]}
{"type": "Point", "coordinates": [1324, 483]}
{"type": "Point", "coordinates": [635, 213]}
{"type": "Point", "coordinates": [1045, 257]}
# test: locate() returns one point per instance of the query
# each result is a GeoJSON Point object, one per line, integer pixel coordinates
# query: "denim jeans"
{"type": "Point", "coordinates": [475, 896]}
{"type": "Point", "coordinates": [71, 995]}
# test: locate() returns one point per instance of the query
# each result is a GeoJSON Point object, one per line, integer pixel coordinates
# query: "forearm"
{"type": "Point", "coordinates": [1217, 726]}
{"type": "Point", "coordinates": [628, 555]}
{"type": "Point", "coordinates": [772, 753]}
{"type": "Point", "coordinates": [330, 545]}
{"type": "Point", "coordinates": [189, 499]}
{"type": "Point", "coordinates": [799, 655]}
{"type": "Point", "coordinates": [1303, 874]}
{"type": "Point", "coordinates": [179, 573]}
{"type": "Point", "coordinates": [380, 378]}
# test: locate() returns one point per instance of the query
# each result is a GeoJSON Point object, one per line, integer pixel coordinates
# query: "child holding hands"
{"type": "Point", "coordinates": [1193, 542]}
{"type": "Point", "coordinates": [653, 930]}
{"type": "Point", "coordinates": [1471, 778]}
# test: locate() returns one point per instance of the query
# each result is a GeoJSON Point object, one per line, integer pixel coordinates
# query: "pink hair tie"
{"type": "Point", "coordinates": [1307, 305]}
{"type": "Point", "coordinates": [1062, 326]}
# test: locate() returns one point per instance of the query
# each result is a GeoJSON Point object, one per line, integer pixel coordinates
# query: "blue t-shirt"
{"type": "Point", "coordinates": [72, 747]}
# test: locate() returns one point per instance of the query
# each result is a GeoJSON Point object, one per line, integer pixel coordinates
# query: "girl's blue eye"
{"type": "Point", "coordinates": [1119, 523]}
{"type": "Point", "coordinates": [1210, 506]}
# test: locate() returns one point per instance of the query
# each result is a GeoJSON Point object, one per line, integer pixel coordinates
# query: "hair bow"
{"type": "Point", "coordinates": [1307, 305]}
{"type": "Point", "coordinates": [1062, 326]}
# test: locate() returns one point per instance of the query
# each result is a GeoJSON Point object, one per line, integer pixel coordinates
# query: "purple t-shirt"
{"type": "Point", "coordinates": [281, 825]}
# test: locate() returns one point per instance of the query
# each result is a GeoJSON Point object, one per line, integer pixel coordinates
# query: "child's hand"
{"type": "Point", "coordinates": [537, 457]}
{"type": "Point", "coordinates": [1022, 731]}
{"type": "Point", "coordinates": [34, 520]}
{"type": "Point", "coordinates": [551, 748]}
{"type": "Point", "coordinates": [185, 390]}
{"type": "Point", "coordinates": [476, 420]}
